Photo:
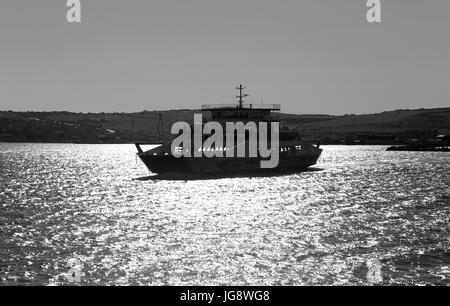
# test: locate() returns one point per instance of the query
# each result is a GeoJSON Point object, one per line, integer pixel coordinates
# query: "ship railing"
{"type": "Point", "coordinates": [274, 107]}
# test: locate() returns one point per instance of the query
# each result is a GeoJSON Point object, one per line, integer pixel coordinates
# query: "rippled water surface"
{"type": "Point", "coordinates": [61, 201]}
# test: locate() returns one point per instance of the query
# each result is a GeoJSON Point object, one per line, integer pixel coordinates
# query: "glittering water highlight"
{"type": "Point", "coordinates": [66, 202]}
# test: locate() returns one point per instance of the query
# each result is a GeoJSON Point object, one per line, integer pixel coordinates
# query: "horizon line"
{"type": "Point", "coordinates": [198, 109]}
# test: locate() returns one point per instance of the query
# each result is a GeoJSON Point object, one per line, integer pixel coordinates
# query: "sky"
{"type": "Point", "coordinates": [310, 56]}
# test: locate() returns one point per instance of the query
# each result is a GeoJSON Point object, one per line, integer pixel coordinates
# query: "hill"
{"type": "Point", "coordinates": [142, 126]}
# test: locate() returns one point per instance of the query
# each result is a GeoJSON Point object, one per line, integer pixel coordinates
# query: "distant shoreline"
{"type": "Point", "coordinates": [132, 144]}
{"type": "Point", "coordinates": [386, 128]}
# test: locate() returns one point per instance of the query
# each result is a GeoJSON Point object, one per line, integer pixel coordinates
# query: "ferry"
{"type": "Point", "coordinates": [295, 155]}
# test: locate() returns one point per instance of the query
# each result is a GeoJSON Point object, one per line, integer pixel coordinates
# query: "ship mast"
{"type": "Point", "coordinates": [241, 95]}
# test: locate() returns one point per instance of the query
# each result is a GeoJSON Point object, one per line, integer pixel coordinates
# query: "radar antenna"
{"type": "Point", "coordinates": [241, 95]}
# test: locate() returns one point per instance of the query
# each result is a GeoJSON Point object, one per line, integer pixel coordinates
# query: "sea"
{"type": "Point", "coordinates": [76, 214]}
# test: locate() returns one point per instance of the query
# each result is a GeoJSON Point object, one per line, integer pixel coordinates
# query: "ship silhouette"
{"type": "Point", "coordinates": [295, 155]}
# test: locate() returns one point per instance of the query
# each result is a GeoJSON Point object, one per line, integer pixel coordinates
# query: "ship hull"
{"type": "Point", "coordinates": [169, 164]}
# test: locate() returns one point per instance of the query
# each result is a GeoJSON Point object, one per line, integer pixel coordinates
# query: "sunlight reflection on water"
{"type": "Point", "coordinates": [62, 201]}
